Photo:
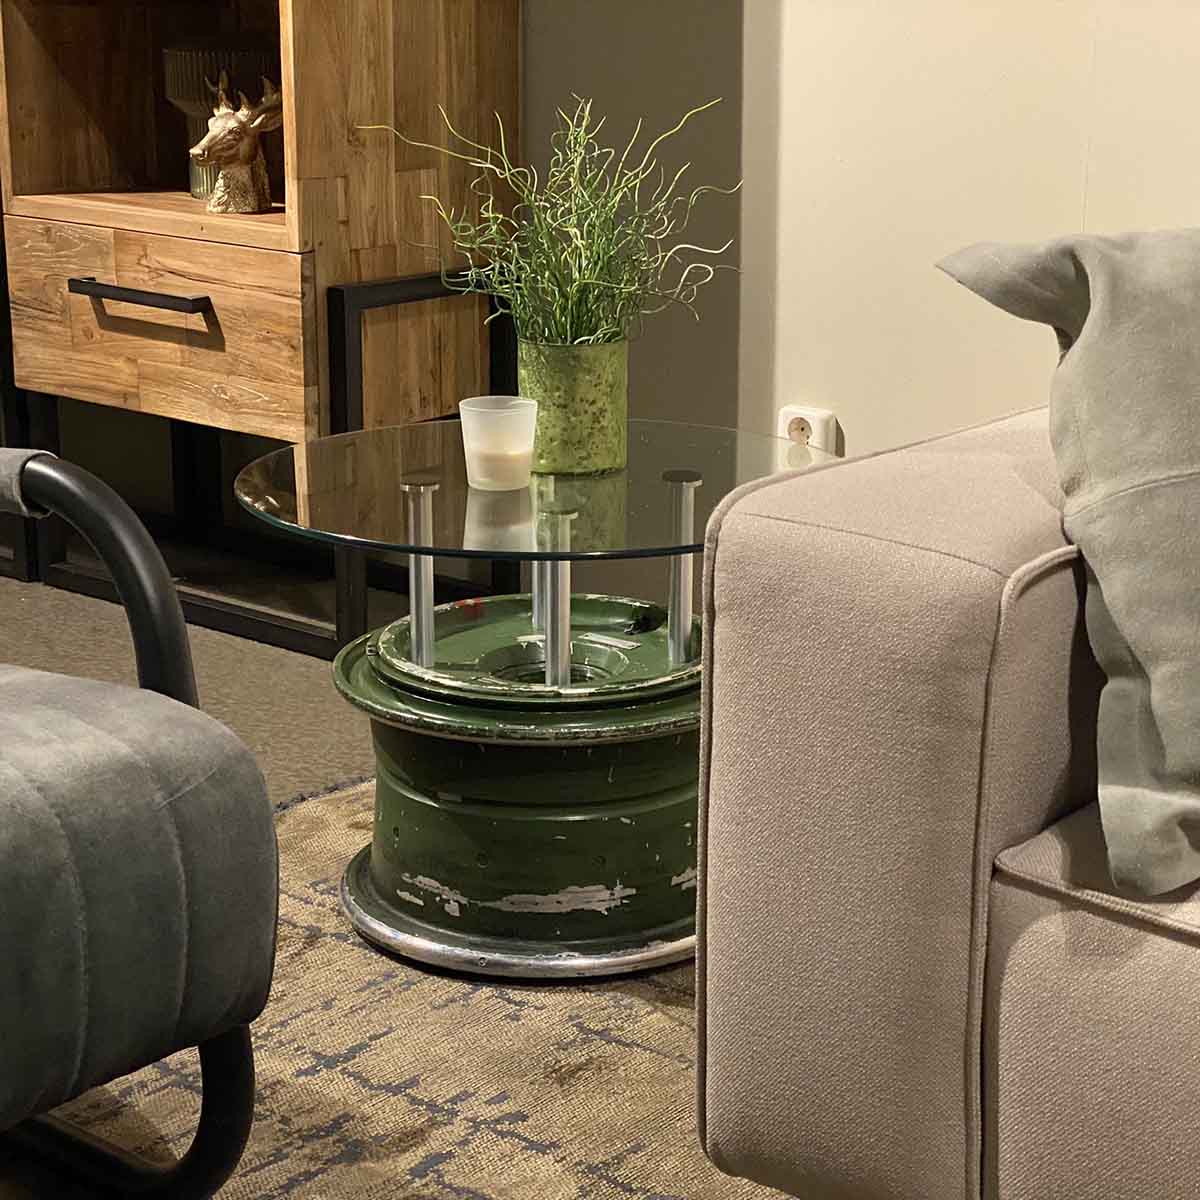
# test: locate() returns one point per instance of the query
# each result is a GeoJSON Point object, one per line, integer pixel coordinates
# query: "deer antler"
{"type": "Point", "coordinates": [221, 91]}
{"type": "Point", "coordinates": [268, 113]}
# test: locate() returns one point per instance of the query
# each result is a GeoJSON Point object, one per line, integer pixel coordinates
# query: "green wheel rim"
{"type": "Point", "coordinates": [488, 650]}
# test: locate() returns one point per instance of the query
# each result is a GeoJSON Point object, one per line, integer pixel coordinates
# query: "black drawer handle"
{"type": "Point", "coordinates": [89, 286]}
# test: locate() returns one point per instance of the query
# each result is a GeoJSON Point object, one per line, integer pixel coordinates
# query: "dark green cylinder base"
{"type": "Point", "coordinates": [557, 840]}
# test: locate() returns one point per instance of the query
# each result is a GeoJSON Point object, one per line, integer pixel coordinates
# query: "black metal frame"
{"type": "Point", "coordinates": [164, 665]}
{"type": "Point", "coordinates": [226, 1116]}
{"type": "Point", "coordinates": [346, 304]}
{"type": "Point", "coordinates": [14, 422]}
{"type": "Point", "coordinates": [89, 285]}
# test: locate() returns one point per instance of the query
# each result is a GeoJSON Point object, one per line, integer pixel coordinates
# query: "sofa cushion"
{"type": "Point", "coordinates": [1126, 433]}
{"type": "Point", "coordinates": [138, 884]}
{"type": "Point", "coordinates": [1069, 859]}
{"type": "Point", "coordinates": [1091, 1049]}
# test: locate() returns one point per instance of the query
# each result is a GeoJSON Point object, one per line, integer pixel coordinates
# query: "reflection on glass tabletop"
{"type": "Point", "coordinates": [360, 488]}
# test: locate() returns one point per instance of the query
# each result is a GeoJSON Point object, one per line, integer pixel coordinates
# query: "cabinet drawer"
{"type": "Point", "coordinates": [248, 364]}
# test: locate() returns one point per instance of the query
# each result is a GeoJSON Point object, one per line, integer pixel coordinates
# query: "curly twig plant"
{"type": "Point", "coordinates": [590, 249]}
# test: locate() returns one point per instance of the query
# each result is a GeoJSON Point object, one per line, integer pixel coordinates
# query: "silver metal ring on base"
{"type": "Point", "coordinates": [389, 929]}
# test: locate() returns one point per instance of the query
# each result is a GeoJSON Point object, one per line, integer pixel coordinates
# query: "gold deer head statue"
{"type": "Point", "coordinates": [231, 144]}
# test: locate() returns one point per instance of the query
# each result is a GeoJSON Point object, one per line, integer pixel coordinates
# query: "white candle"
{"type": "Point", "coordinates": [501, 470]}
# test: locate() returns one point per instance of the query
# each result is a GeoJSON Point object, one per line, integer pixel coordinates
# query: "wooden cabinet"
{"type": "Point", "coordinates": [94, 165]}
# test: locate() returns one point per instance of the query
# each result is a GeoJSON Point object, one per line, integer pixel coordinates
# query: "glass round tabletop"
{"type": "Point", "coordinates": [404, 488]}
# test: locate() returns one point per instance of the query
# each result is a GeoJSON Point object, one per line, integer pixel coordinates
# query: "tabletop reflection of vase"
{"type": "Point", "coordinates": [598, 501]}
{"type": "Point", "coordinates": [190, 70]}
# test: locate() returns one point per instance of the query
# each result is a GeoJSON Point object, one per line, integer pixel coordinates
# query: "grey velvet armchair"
{"type": "Point", "coordinates": [138, 872]}
{"type": "Point", "coordinates": [917, 980]}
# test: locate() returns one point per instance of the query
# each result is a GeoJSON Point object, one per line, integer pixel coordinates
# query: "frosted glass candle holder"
{"type": "Point", "coordinates": [497, 436]}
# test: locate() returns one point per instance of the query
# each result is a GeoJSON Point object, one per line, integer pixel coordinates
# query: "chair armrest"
{"type": "Point", "coordinates": [897, 686]}
{"type": "Point", "coordinates": [43, 482]}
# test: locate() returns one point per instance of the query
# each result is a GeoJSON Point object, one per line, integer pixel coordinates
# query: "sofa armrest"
{"type": "Point", "coordinates": [897, 685]}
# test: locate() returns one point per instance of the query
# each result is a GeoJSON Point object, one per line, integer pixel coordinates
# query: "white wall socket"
{"type": "Point", "coordinates": [816, 427]}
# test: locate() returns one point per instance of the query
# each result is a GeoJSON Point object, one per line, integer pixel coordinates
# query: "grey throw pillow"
{"type": "Point", "coordinates": [1125, 427]}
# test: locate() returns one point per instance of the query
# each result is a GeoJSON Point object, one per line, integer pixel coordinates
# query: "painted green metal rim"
{"type": "Point", "coordinates": [355, 677]}
{"type": "Point", "coordinates": [487, 650]}
{"type": "Point", "coordinates": [384, 926]}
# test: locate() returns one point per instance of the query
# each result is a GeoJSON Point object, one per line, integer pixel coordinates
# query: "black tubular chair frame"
{"type": "Point", "coordinates": [164, 665]}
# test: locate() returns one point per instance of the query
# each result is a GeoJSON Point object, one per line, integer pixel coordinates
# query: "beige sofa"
{"type": "Point", "coordinates": [916, 979]}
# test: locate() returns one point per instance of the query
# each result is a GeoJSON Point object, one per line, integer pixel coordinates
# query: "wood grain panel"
{"type": "Point", "coordinates": [178, 264]}
{"type": "Point", "coordinates": [437, 363]}
{"type": "Point", "coordinates": [212, 398]}
{"type": "Point", "coordinates": [310, 347]}
{"type": "Point", "coordinates": [457, 67]}
{"type": "Point", "coordinates": [113, 330]}
{"type": "Point", "coordinates": [176, 214]}
{"type": "Point", "coordinates": [65, 131]}
{"type": "Point", "coordinates": [42, 366]}
{"type": "Point", "coordinates": [381, 344]}
{"type": "Point", "coordinates": [247, 365]}
{"type": "Point", "coordinates": [327, 230]}
{"type": "Point", "coordinates": [29, 75]}
{"type": "Point", "coordinates": [417, 40]}
{"type": "Point", "coordinates": [417, 232]}
{"type": "Point", "coordinates": [256, 329]}
{"type": "Point", "coordinates": [41, 255]}
{"type": "Point", "coordinates": [469, 51]}
{"type": "Point", "coordinates": [370, 92]}
{"type": "Point", "coordinates": [358, 192]}
{"type": "Point", "coordinates": [317, 38]}
{"type": "Point", "coordinates": [298, 230]}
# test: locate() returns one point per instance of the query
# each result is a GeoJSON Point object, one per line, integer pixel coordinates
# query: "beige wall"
{"type": "Point", "coordinates": [880, 135]}
{"type": "Point", "coordinates": [656, 59]}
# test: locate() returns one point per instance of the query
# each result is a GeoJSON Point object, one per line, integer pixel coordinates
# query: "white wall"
{"type": "Point", "coordinates": [879, 135]}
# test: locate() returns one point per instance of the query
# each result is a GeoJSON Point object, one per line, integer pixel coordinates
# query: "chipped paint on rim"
{"type": "Point", "coordinates": [595, 897]}
{"type": "Point", "coordinates": [484, 957]}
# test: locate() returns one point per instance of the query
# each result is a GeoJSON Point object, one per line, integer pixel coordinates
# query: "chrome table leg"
{"type": "Point", "coordinates": [683, 484]}
{"type": "Point", "coordinates": [419, 496]}
{"type": "Point", "coordinates": [552, 592]}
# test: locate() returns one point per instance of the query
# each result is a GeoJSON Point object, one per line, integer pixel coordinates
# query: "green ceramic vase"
{"type": "Point", "coordinates": [583, 405]}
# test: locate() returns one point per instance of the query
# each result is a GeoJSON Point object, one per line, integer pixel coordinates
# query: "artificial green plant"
{"type": "Point", "coordinates": [583, 253]}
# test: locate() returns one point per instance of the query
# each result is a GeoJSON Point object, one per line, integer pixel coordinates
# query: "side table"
{"type": "Point", "coordinates": [537, 754]}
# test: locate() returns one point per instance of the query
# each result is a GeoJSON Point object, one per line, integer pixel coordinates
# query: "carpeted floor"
{"type": "Point", "coordinates": [377, 1079]}
{"type": "Point", "coordinates": [282, 705]}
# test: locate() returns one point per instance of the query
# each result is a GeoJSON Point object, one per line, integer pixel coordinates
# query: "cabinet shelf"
{"type": "Point", "coordinates": [176, 214]}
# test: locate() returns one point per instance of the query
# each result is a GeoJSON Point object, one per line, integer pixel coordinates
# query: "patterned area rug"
{"type": "Point", "coordinates": [378, 1079]}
